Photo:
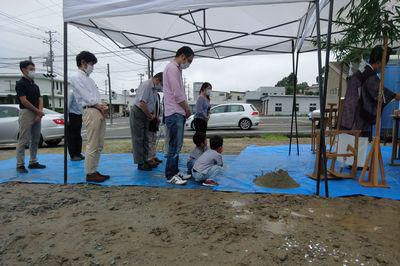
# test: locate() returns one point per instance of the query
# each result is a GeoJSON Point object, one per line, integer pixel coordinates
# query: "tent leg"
{"type": "Point", "coordinates": [328, 50]}
{"type": "Point", "coordinates": [66, 119]}
{"type": "Point", "coordinates": [294, 112]}
{"type": "Point", "coordinates": [322, 147]}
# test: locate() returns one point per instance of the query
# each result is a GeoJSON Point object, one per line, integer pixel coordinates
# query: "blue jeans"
{"type": "Point", "coordinates": [175, 128]}
{"type": "Point", "coordinates": [212, 172]}
{"type": "Point", "coordinates": [190, 164]}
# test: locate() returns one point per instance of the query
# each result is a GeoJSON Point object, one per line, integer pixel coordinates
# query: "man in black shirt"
{"type": "Point", "coordinates": [30, 116]}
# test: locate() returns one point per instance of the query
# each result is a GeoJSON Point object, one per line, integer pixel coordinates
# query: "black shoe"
{"type": "Point", "coordinates": [145, 167]}
{"type": "Point", "coordinates": [36, 166]}
{"type": "Point", "coordinates": [106, 177]}
{"type": "Point", "coordinates": [76, 158]}
{"type": "Point", "coordinates": [22, 170]}
{"type": "Point", "coordinates": [81, 156]}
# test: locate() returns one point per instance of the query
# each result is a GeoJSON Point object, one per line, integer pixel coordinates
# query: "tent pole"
{"type": "Point", "coordinates": [66, 119]}
{"type": "Point", "coordinates": [295, 117]}
{"type": "Point", "coordinates": [152, 62]}
{"type": "Point", "coordinates": [294, 100]}
{"type": "Point", "coordinates": [328, 51]}
{"type": "Point", "coordinates": [322, 149]}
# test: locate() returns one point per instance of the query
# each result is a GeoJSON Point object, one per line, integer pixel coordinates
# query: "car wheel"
{"type": "Point", "coordinates": [245, 124]}
{"type": "Point", "coordinates": [53, 143]}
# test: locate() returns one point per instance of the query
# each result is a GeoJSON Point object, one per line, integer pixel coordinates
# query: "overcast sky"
{"type": "Point", "coordinates": [23, 24]}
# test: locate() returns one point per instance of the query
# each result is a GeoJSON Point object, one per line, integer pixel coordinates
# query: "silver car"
{"type": "Point", "coordinates": [52, 126]}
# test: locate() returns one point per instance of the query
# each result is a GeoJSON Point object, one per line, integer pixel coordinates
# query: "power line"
{"type": "Point", "coordinates": [109, 49]}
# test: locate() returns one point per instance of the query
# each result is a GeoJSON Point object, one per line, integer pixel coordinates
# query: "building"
{"type": "Point", "coordinates": [282, 105]}
{"type": "Point", "coordinates": [237, 96]}
{"type": "Point", "coordinates": [8, 94]}
{"type": "Point", "coordinates": [255, 97]}
{"type": "Point", "coordinates": [121, 102]}
{"type": "Point", "coordinates": [312, 90]}
{"type": "Point", "coordinates": [196, 90]}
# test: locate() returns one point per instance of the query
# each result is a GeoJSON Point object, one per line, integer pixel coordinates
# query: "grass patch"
{"type": "Point", "coordinates": [274, 137]}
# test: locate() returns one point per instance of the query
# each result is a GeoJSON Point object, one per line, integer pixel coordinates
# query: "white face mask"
{"type": "Point", "coordinates": [89, 69]}
{"type": "Point", "coordinates": [185, 65]}
{"type": "Point", "coordinates": [159, 88]}
{"type": "Point", "coordinates": [208, 92]}
{"type": "Point", "coordinates": [32, 74]}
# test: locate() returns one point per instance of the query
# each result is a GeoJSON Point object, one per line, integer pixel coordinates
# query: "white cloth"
{"type": "Point", "coordinates": [85, 89]}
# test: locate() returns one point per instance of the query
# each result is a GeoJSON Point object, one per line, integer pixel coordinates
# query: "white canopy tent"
{"type": "Point", "coordinates": [212, 28]}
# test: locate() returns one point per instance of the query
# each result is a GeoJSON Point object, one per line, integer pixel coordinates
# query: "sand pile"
{"type": "Point", "coordinates": [278, 179]}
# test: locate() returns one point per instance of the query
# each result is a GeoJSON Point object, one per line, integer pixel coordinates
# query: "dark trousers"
{"type": "Point", "coordinates": [74, 135]}
{"type": "Point", "coordinates": [140, 139]}
{"type": "Point", "coordinates": [200, 125]}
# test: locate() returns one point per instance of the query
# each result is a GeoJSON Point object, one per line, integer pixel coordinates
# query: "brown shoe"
{"type": "Point", "coordinates": [95, 177]}
{"type": "Point", "coordinates": [105, 176]}
{"type": "Point", "coordinates": [157, 160]}
{"type": "Point", "coordinates": [152, 164]}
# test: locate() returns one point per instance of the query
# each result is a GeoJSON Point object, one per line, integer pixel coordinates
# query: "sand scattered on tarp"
{"type": "Point", "coordinates": [277, 179]}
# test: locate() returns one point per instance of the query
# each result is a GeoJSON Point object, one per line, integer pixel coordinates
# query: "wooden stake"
{"type": "Point", "coordinates": [375, 155]}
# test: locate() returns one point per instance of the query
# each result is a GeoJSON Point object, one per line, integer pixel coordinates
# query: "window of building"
{"type": "Point", "coordinates": [59, 100]}
{"type": "Point", "coordinates": [278, 107]}
{"type": "Point", "coordinates": [297, 107]}
{"type": "Point", "coordinates": [61, 87]}
{"type": "Point", "coordinates": [313, 107]}
{"type": "Point", "coordinates": [235, 108]}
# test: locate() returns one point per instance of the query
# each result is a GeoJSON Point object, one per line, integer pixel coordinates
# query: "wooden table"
{"type": "Point", "coordinates": [395, 139]}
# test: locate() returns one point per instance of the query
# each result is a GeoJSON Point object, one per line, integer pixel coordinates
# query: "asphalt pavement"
{"type": "Point", "coordinates": [120, 129]}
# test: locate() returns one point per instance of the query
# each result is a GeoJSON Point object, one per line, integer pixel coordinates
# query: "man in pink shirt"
{"type": "Point", "coordinates": [176, 110]}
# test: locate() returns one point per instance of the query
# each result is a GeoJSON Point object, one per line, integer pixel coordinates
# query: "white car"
{"type": "Point", "coordinates": [242, 115]}
{"type": "Point", "coordinates": [52, 125]}
{"type": "Point", "coordinates": [314, 114]}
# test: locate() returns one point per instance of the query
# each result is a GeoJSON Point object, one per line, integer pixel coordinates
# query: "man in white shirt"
{"type": "Point", "coordinates": [88, 97]}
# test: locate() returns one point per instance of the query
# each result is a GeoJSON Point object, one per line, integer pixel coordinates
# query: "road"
{"type": "Point", "coordinates": [269, 125]}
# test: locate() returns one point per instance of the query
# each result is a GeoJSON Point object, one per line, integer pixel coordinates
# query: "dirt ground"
{"type": "Point", "coordinates": [93, 225]}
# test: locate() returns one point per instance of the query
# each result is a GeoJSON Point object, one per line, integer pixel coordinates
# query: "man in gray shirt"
{"type": "Point", "coordinates": [209, 165]}
{"type": "Point", "coordinates": [142, 112]}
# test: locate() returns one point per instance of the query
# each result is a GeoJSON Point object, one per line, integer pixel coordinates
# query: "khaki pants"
{"type": "Point", "coordinates": [29, 133]}
{"type": "Point", "coordinates": [152, 144]}
{"type": "Point", "coordinates": [95, 124]}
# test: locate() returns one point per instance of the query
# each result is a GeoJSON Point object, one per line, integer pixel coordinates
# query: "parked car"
{"type": "Point", "coordinates": [242, 115]}
{"type": "Point", "coordinates": [314, 114]}
{"type": "Point", "coordinates": [52, 125]}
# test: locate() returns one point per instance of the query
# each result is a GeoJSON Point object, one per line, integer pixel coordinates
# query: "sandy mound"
{"type": "Point", "coordinates": [278, 179]}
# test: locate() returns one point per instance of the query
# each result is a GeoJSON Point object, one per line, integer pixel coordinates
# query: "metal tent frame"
{"type": "Point", "coordinates": [148, 50]}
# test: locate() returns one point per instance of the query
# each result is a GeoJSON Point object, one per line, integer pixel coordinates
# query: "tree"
{"type": "Point", "coordinates": [288, 82]}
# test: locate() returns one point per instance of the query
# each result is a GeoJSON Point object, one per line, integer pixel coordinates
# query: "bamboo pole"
{"type": "Point", "coordinates": [374, 160]}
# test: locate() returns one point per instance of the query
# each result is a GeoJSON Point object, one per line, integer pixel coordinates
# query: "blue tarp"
{"type": "Point", "coordinates": [240, 171]}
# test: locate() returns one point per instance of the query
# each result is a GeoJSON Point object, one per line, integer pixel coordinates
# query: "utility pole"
{"type": "Point", "coordinates": [141, 75]}
{"type": "Point", "coordinates": [49, 64]}
{"type": "Point", "coordinates": [105, 86]}
{"type": "Point", "coordinates": [109, 92]}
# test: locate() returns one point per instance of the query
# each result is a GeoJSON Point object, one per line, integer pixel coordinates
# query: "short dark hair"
{"type": "Point", "coordinates": [25, 64]}
{"type": "Point", "coordinates": [159, 76]}
{"type": "Point", "coordinates": [377, 54]}
{"type": "Point", "coordinates": [87, 56]}
{"type": "Point", "coordinates": [216, 142]}
{"type": "Point", "coordinates": [199, 138]}
{"type": "Point", "coordinates": [185, 50]}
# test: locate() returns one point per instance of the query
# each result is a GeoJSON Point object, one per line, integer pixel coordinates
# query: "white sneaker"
{"type": "Point", "coordinates": [184, 176]}
{"type": "Point", "coordinates": [176, 180]}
